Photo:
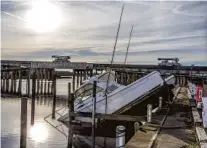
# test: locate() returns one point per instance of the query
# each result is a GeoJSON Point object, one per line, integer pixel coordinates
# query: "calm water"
{"type": "Point", "coordinates": [41, 135]}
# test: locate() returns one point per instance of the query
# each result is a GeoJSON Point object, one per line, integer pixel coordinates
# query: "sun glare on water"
{"type": "Point", "coordinates": [43, 16]}
{"type": "Point", "coordinates": [39, 133]}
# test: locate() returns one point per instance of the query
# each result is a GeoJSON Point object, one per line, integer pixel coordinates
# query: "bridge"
{"type": "Point", "coordinates": [183, 70]}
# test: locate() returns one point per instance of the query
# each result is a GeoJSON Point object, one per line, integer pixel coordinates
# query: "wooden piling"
{"type": "Point", "coordinates": [23, 122]}
{"type": "Point", "coordinates": [178, 80]}
{"type": "Point", "coordinates": [71, 110]}
{"type": "Point", "coordinates": [69, 94]}
{"type": "Point", "coordinates": [54, 95]}
{"type": "Point", "coordinates": [81, 77]}
{"type": "Point", "coordinates": [94, 114]}
{"type": "Point", "coordinates": [38, 81]}
{"type": "Point", "coordinates": [1, 82]}
{"type": "Point", "coordinates": [77, 80]}
{"type": "Point", "coordinates": [122, 78]}
{"type": "Point", "coordinates": [41, 82]}
{"type": "Point", "coordinates": [12, 82]}
{"type": "Point", "coordinates": [4, 82]}
{"type": "Point", "coordinates": [28, 83]}
{"type": "Point", "coordinates": [84, 75]}
{"type": "Point", "coordinates": [7, 82]}
{"type": "Point", "coordinates": [50, 88]}
{"type": "Point", "coordinates": [91, 72]}
{"type": "Point", "coordinates": [15, 82]}
{"type": "Point", "coordinates": [48, 82]}
{"type": "Point", "coordinates": [20, 83]}
{"type": "Point", "coordinates": [45, 80]}
{"type": "Point", "coordinates": [118, 77]}
{"type": "Point", "coordinates": [74, 71]}
{"type": "Point", "coordinates": [33, 98]}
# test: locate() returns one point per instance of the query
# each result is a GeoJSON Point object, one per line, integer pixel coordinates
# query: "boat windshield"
{"type": "Point", "coordinates": [86, 91]}
{"type": "Point", "coordinates": [105, 77]}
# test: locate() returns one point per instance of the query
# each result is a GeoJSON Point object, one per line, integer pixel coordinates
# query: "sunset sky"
{"type": "Point", "coordinates": [36, 30]}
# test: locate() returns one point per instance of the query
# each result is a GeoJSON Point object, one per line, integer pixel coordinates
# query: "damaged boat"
{"type": "Point", "coordinates": [119, 97]}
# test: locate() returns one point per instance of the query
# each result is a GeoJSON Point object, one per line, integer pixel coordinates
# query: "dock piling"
{"type": "Point", "coordinates": [41, 81]}
{"type": "Point", "coordinates": [23, 126]}
{"type": "Point", "coordinates": [15, 82]}
{"type": "Point", "coordinates": [136, 127]}
{"type": "Point", "coordinates": [160, 103]}
{"type": "Point", "coordinates": [149, 113]}
{"type": "Point", "coordinates": [7, 82]}
{"type": "Point", "coordinates": [28, 83]}
{"type": "Point", "coordinates": [74, 71]}
{"type": "Point", "coordinates": [20, 83]}
{"type": "Point", "coordinates": [71, 109]}
{"type": "Point", "coordinates": [77, 80]}
{"type": "Point", "coordinates": [45, 81]}
{"type": "Point", "coordinates": [54, 95]}
{"type": "Point", "coordinates": [81, 77]}
{"type": "Point", "coordinates": [12, 82]}
{"type": "Point", "coordinates": [48, 82]}
{"type": "Point", "coordinates": [4, 82]}
{"type": "Point", "coordinates": [33, 98]}
{"type": "Point", "coordinates": [94, 114]}
{"type": "Point", "coordinates": [38, 81]}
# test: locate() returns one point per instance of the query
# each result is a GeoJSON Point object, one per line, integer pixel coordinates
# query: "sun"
{"type": "Point", "coordinates": [43, 17]}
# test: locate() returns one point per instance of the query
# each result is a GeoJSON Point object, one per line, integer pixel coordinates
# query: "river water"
{"type": "Point", "coordinates": [41, 134]}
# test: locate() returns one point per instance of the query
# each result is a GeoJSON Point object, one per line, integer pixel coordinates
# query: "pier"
{"type": "Point", "coordinates": [41, 81]}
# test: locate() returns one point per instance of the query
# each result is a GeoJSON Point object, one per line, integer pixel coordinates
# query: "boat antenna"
{"type": "Point", "coordinates": [128, 45]}
{"type": "Point", "coordinates": [112, 59]}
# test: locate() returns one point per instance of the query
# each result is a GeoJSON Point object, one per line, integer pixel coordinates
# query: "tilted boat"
{"type": "Point", "coordinates": [118, 96]}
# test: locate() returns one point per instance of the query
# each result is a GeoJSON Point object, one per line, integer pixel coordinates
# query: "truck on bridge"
{"type": "Point", "coordinates": [61, 58]}
{"type": "Point", "coordinates": [168, 62]}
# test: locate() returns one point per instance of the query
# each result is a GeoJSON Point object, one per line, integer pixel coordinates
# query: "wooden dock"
{"type": "Point", "coordinates": [175, 131]}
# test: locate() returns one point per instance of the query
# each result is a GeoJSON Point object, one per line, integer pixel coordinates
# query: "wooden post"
{"type": "Point", "coordinates": [48, 82]}
{"type": "Point", "coordinates": [1, 82]}
{"type": "Point", "coordinates": [12, 82]}
{"type": "Point", "coordinates": [77, 80]}
{"type": "Point", "coordinates": [54, 95]}
{"type": "Point", "coordinates": [149, 113]}
{"type": "Point", "coordinates": [45, 84]}
{"type": "Point", "coordinates": [74, 71]}
{"type": "Point", "coordinates": [38, 81]}
{"type": "Point", "coordinates": [178, 80]}
{"type": "Point", "coordinates": [71, 110]}
{"type": "Point", "coordinates": [23, 122]}
{"type": "Point", "coordinates": [33, 98]}
{"type": "Point", "coordinates": [81, 77]}
{"type": "Point", "coordinates": [28, 83]}
{"type": "Point", "coordinates": [69, 94]}
{"type": "Point", "coordinates": [122, 78]}
{"type": "Point", "coordinates": [15, 82]}
{"type": "Point", "coordinates": [20, 83]}
{"type": "Point", "coordinates": [84, 75]}
{"type": "Point", "coordinates": [94, 114]}
{"type": "Point", "coordinates": [7, 82]}
{"type": "Point", "coordinates": [41, 83]}
{"type": "Point", "coordinates": [5, 76]}
{"type": "Point", "coordinates": [91, 73]}
{"type": "Point", "coordinates": [4, 82]}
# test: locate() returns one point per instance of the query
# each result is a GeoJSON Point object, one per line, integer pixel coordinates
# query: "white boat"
{"type": "Point", "coordinates": [118, 96]}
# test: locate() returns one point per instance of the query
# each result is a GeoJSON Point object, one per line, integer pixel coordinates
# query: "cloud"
{"type": "Point", "coordinates": [88, 33]}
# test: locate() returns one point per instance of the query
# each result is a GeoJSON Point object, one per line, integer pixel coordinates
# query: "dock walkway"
{"type": "Point", "coordinates": [176, 132]}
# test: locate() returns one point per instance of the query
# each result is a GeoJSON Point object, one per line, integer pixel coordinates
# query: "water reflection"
{"type": "Point", "coordinates": [39, 133]}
